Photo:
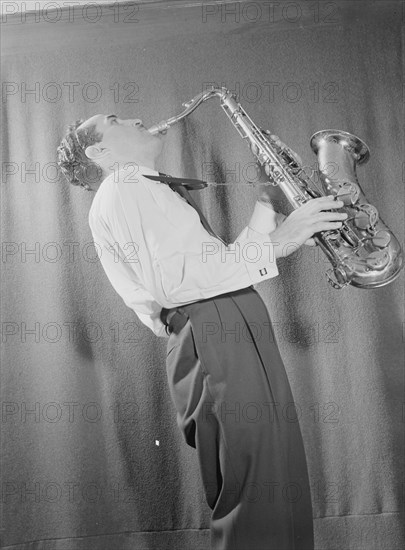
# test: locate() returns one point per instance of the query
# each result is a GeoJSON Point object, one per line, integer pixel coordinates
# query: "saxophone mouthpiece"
{"type": "Point", "coordinates": [160, 128]}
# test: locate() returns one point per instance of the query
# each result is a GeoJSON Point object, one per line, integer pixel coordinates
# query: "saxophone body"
{"type": "Point", "coordinates": [363, 252]}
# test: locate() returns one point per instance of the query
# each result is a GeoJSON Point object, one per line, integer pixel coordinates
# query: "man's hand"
{"type": "Point", "coordinates": [299, 227]}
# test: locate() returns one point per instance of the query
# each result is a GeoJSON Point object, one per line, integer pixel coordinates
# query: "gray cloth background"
{"type": "Point", "coordinates": [83, 470]}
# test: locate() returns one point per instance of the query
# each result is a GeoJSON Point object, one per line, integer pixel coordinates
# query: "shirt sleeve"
{"type": "Point", "coordinates": [263, 221]}
{"type": "Point", "coordinates": [125, 281]}
{"type": "Point", "coordinates": [264, 218]}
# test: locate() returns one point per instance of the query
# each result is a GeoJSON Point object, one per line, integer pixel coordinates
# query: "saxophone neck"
{"type": "Point", "coordinates": [203, 96]}
{"type": "Point", "coordinates": [190, 106]}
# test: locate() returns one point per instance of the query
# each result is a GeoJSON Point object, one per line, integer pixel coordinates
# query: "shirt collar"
{"type": "Point", "coordinates": [145, 171]}
{"type": "Point", "coordinates": [142, 170]}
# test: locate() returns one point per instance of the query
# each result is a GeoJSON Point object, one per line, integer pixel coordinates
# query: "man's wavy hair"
{"type": "Point", "coordinates": [77, 168]}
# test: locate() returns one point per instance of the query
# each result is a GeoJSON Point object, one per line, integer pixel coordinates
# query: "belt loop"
{"type": "Point", "coordinates": [166, 315]}
{"type": "Point", "coordinates": [182, 311]}
{"type": "Point", "coordinates": [170, 315]}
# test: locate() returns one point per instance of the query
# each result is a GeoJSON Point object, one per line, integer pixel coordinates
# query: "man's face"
{"type": "Point", "coordinates": [126, 140]}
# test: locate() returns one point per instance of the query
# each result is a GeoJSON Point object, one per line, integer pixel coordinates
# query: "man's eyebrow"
{"type": "Point", "coordinates": [110, 116]}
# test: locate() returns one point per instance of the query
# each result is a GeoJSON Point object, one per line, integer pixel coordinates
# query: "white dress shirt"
{"type": "Point", "coordinates": [156, 252]}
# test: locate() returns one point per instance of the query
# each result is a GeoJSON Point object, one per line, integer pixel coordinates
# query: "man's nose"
{"type": "Point", "coordinates": [134, 122]}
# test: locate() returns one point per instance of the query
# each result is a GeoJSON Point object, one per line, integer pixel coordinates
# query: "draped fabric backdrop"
{"type": "Point", "coordinates": [91, 454]}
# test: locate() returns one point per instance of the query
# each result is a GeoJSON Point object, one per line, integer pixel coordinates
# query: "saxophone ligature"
{"type": "Point", "coordinates": [363, 251]}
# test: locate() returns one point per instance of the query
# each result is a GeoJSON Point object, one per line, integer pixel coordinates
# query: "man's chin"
{"type": "Point", "coordinates": [158, 143]}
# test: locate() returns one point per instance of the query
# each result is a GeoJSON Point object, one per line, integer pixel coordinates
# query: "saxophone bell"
{"type": "Point", "coordinates": [370, 256]}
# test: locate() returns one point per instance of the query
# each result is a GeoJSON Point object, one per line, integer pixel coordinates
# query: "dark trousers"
{"type": "Point", "coordinates": [234, 405]}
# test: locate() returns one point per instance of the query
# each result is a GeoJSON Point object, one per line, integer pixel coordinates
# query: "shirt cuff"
{"type": "Point", "coordinates": [264, 218]}
{"type": "Point", "coordinates": [258, 255]}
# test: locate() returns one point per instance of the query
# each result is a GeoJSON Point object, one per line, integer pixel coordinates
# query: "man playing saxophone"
{"type": "Point", "coordinates": [220, 371]}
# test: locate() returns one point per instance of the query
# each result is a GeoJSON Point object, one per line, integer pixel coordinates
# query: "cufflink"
{"type": "Point", "coordinates": [263, 271]}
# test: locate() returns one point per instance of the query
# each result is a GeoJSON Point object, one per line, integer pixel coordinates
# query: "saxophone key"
{"type": "Point", "coordinates": [349, 193]}
{"type": "Point", "coordinates": [378, 259]}
{"type": "Point", "coordinates": [372, 213]}
{"type": "Point", "coordinates": [337, 277]}
{"type": "Point", "coordinates": [361, 220]}
{"type": "Point", "coordinates": [334, 236]}
{"type": "Point", "coordinates": [381, 239]}
{"type": "Point", "coordinates": [366, 217]}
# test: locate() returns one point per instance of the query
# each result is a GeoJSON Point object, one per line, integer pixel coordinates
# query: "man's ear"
{"type": "Point", "coordinates": [95, 152]}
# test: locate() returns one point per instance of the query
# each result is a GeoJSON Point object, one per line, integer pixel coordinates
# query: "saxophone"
{"type": "Point", "coordinates": [363, 251]}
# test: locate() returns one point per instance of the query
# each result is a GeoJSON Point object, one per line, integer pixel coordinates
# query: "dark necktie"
{"type": "Point", "coordinates": [176, 185]}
